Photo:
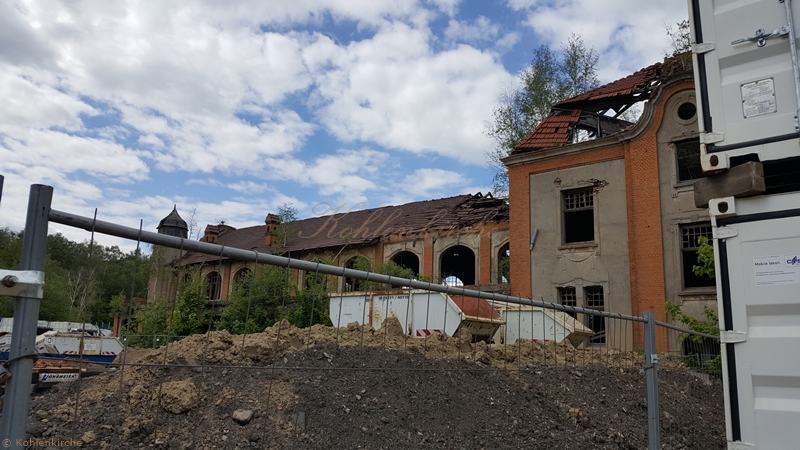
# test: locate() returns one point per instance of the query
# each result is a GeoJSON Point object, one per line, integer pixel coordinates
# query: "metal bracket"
{"type": "Point", "coordinates": [21, 283]}
{"type": "Point", "coordinates": [711, 138]}
{"type": "Point", "coordinates": [732, 337]}
{"type": "Point", "coordinates": [724, 232]}
{"type": "Point", "coordinates": [705, 47]}
{"type": "Point", "coordinates": [761, 36]}
{"type": "Point", "coordinates": [653, 358]}
{"type": "Point", "coordinates": [739, 445]}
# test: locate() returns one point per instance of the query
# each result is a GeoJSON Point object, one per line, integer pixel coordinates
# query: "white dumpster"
{"type": "Point", "coordinates": [538, 325]}
{"type": "Point", "coordinates": [420, 313]}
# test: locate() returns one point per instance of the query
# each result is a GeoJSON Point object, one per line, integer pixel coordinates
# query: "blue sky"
{"type": "Point", "coordinates": [232, 111]}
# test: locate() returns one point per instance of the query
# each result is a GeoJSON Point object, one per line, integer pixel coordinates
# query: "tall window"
{"type": "Point", "coordinates": [214, 286]}
{"type": "Point", "coordinates": [596, 300]}
{"type": "Point", "coordinates": [688, 155]}
{"type": "Point", "coordinates": [689, 245]}
{"type": "Point", "coordinates": [578, 210]}
{"type": "Point", "coordinates": [567, 297]}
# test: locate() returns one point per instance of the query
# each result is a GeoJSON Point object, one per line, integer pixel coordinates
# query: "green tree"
{"type": "Point", "coordinates": [255, 302]}
{"type": "Point", "coordinates": [191, 315]}
{"type": "Point", "coordinates": [552, 77]}
{"type": "Point", "coordinates": [705, 256]}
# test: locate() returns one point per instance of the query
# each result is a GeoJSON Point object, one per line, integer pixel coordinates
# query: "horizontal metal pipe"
{"type": "Point", "coordinates": [164, 240]}
{"type": "Point", "coordinates": [684, 330]}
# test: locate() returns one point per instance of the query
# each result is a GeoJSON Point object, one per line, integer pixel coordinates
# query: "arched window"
{"type": "Point", "coordinates": [407, 260]}
{"type": "Point", "coordinates": [240, 279]}
{"type": "Point", "coordinates": [503, 265]}
{"type": "Point", "coordinates": [453, 281]}
{"type": "Point", "coordinates": [458, 261]}
{"type": "Point", "coordinates": [214, 286]}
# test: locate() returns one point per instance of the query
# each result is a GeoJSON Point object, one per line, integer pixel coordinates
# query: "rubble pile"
{"type": "Point", "coordinates": [364, 388]}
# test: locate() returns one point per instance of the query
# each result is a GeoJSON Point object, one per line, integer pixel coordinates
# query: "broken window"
{"type": "Point", "coordinates": [503, 264]}
{"type": "Point", "coordinates": [459, 261]}
{"type": "Point", "coordinates": [453, 281]}
{"type": "Point", "coordinates": [596, 300]}
{"type": "Point", "coordinates": [689, 245]}
{"type": "Point", "coordinates": [578, 210]}
{"type": "Point", "coordinates": [568, 297]}
{"type": "Point", "coordinates": [688, 156]}
{"type": "Point", "coordinates": [214, 286]}
{"type": "Point", "coordinates": [407, 260]}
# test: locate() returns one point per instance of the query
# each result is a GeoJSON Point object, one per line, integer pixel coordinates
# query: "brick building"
{"type": "Point", "coordinates": [613, 214]}
{"type": "Point", "coordinates": [460, 240]}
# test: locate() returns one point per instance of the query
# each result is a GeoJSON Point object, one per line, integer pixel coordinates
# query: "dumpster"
{"type": "Point", "coordinates": [538, 324]}
{"type": "Point", "coordinates": [420, 313]}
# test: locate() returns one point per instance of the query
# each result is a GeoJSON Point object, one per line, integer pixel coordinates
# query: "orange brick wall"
{"type": "Point", "coordinates": [520, 209]}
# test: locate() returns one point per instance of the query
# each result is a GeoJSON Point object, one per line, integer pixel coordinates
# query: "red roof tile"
{"type": "Point", "coordinates": [553, 131]}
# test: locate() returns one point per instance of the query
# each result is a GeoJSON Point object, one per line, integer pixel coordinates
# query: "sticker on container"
{"type": "Point", "coordinates": [90, 347]}
{"type": "Point", "coordinates": [758, 98]}
{"type": "Point", "coordinates": [777, 270]}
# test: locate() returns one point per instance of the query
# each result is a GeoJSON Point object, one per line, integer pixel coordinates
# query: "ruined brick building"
{"type": "Point", "coordinates": [460, 240]}
{"type": "Point", "coordinates": [610, 222]}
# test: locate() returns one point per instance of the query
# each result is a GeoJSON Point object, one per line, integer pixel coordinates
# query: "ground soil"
{"type": "Point", "coordinates": [365, 389]}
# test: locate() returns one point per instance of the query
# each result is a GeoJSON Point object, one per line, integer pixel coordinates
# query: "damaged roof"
{"type": "Point", "coordinates": [368, 226]}
{"type": "Point", "coordinates": [587, 111]}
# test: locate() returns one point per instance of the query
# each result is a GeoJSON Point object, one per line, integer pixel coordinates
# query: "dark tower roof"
{"type": "Point", "coordinates": [173, 225]}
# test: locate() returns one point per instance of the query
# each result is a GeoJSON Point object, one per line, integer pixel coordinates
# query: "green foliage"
{"type": "Point", "coordinates": [80, 278]}
{"type": "Point", "coordinates": [710, 326]}
{"type": "Point", "coordinates": [191, 315]}
{"type": "Point", "coordinates": [504, 269]}
{"type": "Point", "coordinates": [255, 302]}
{"type": "Point", "coordinates": [552, 77]}
{"type": "Point", "coordinates": [287, 214]}
{"type": "Point", "coordinates": [705, 256]}
{"type": "Point", "coordinates": [311, 302]}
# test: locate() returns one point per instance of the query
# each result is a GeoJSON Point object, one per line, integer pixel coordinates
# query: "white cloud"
{"type": "Point", "coordinates": [629, 34]}
{"type": "Point", "coordinates": [394, 91]}
{"type": "Point", "coordinates": [424, 183]}
{"type": "Point", "coordinates": [481, 29]}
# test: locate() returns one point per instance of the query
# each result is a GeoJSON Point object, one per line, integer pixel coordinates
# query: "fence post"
{"type": "Point", "coordinates": [651, 374]}
{"type": "Point", "coordinates": [26, 315]}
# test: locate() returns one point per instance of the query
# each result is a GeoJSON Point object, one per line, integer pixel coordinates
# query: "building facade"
{"type": "Point", "coordinates": [613, 217]}
{"type": "Point", "coordinates": [460, 240]}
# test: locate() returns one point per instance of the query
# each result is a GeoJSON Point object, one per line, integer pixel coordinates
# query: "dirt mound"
{"type": "Point", "coordinates": [322, 388]}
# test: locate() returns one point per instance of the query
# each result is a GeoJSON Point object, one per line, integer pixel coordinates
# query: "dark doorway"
{"type": "Point", "coordinates": [459, 262]}
{"type": "Point", "coordinates": [407, 260]}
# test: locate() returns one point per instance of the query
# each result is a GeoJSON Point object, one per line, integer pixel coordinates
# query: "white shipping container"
{"type": "Point", "coordinates": [757, 251]}
{"type": "Point", "coordinates": [746, 79]}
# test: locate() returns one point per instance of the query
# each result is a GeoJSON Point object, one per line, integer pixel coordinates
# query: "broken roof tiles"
{"type": "Point", "coordinates": [368, 226]}
{"type": "Point", "coordinates": [617, 92]}
{"type": "Point", "coordinates": [553, 131]}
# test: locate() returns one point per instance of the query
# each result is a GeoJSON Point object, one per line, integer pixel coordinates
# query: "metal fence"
{"type": "Point", "coordinates": [374, 380]}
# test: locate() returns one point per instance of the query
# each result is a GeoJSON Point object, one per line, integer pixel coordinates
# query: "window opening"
{"type": "Point", "coordinates": [687, 111]}
{"type": "Point", "coordinates": [689, 246]}
{"type": "Point", "coordinates": [239, 280]}
{"type": "Point", "coordinates": [453, 281]}
{"type": "Point", "coordinates": [596, 300]}
{"type": "Point", "coordinates": [578, 209]}
{"type": "Point", "coordinates": [214, 286]}
{"type": "Point", "coordinates": [688, 156]}
{"type": "Point", "coordinates": [407, 260]}
{"type": "Point", "coordinates": [503, 264]}
{"type": "Point", "coordinates": [568, 297]}
{"type": "Point", "coordinates": [351, 284]}
{"type": "Point", "coordinates": [459, 261]}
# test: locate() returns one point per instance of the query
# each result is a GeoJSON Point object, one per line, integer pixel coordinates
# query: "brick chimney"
{"type": "Point", "coordinates": [270, 230]}
{"type": "Point", "coordinates": [211, 235]}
